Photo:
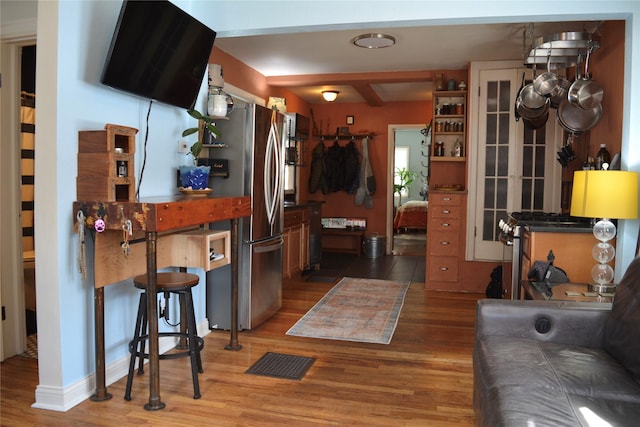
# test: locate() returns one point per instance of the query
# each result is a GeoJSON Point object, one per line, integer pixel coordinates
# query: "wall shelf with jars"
{"type": "Point", "coordinates": [449, 126]}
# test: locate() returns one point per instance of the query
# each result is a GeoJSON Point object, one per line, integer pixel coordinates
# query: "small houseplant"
{"type": "Point", "coordinates": [205, 124]}
{"type": "Point", "coordinates": [406, 177]}
{"type": "Point", "coordinates": [196, 177]}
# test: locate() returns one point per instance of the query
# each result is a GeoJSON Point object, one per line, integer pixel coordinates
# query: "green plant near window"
{"type": "Point", "coordinates": [406, 177]}
{"type": "Point", "coordinates": [205, 123]}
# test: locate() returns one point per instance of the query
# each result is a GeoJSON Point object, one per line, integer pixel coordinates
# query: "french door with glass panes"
{"type": "Point", "coordinates": [515, 167]}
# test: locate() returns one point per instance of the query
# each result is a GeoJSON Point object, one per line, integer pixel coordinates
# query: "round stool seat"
{"type": "Point", "coordinates": [169, 281]}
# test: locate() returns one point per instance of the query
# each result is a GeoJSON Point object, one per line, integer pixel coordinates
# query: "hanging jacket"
{"type": "Point", "coordinates": [335, 167]}
{"type": "Point", "coordinates": [351, 167]}
{"type": "Point", "coordinates": [367, 174]}
{"type": "Point", "coordinates": [317, 176]}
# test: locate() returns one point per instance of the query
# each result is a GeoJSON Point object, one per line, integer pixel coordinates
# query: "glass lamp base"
{"type": "Point", "coordinates": [601, 289]}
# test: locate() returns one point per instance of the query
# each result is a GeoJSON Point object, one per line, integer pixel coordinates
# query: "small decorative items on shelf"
{"type": "Point", "coordinates": [105, 164]}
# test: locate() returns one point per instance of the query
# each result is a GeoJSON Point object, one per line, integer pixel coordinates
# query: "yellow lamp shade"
{"type": "Point", "coordinates": [605, 194]}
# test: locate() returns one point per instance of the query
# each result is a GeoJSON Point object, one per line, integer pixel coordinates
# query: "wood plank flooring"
{"type": "Point", "coordinates": [423, 378]}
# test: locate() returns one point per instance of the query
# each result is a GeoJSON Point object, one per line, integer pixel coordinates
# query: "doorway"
{"type": "Point", "coordinates": [409, 158]}
{"type": "Point", "coordinates": [17, 183]}
{"type": "Point", "coordinates": [27, 182]}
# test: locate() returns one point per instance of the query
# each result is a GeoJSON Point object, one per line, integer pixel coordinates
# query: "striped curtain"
{"type": "Point", "coordinates": [27, 148]}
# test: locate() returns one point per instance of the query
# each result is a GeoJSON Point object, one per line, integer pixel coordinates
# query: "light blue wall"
{"type": "Point", "coordinates": [73, 37]}
{"type": "Point", "coordinates": [69, 92]}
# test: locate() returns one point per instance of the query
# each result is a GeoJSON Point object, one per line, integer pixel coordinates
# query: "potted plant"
{"type": "Point", "coordinates": [196, 176]}
{"type": "Point", "coordinates": [406, 177]}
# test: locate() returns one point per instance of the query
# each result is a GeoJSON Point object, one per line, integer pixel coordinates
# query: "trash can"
{"type": "Point", "coordinates": [374, 245]}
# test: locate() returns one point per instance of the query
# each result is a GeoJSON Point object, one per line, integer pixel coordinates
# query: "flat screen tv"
{"type": "Point", "coordinates": [158, 52]}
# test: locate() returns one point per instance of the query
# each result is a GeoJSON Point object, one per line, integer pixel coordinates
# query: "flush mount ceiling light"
{"type": "Point", "coordinates": [330, 95]}
{"type": "Point", "coordinates": [374, 40]}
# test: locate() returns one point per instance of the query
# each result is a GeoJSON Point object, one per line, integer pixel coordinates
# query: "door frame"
{"type": "Point", "coordinates": [391, 145]}
{"type": "Point", "coordinates": [13, 333]}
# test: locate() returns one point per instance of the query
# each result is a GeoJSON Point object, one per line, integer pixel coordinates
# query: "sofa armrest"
{"type": "Point", "coordinates": [564, 322]}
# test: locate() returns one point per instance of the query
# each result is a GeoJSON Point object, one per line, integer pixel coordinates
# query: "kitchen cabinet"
{"type": "Point", "coordinates": [445, 247]}
{"type": "Point", "coordinates": [296, 240]}
{"type": "Point", "coordinates": [572, 251]}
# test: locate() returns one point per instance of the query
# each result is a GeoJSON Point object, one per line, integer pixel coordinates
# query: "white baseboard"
{"type": "Point", "coordinates": [64, 398]}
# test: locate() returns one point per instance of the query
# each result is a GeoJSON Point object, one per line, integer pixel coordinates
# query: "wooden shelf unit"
{"type": "Point", "coordinates": [194, 248]}
{"type": "Point", "coordinates": [103, 155]}
{"type": "Point", "coordinates": [449, 169]}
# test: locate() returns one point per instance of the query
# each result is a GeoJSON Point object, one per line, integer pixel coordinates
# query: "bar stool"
{"type": "Point", "coordinates": [178, 283]}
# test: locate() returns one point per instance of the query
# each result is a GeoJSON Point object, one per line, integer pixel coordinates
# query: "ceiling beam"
{"type": "Point", "coordinates": [368, 93]}
{"type": "Point", "coordinates": [351, 78]}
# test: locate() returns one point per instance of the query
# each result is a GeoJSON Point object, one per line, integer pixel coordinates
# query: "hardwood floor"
{"type": "Point", "coordinates": [423, 378]}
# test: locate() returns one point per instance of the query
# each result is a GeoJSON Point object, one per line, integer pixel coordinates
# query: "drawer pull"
{"type": "Point", "coordinates": [444, 242]}
{"type": "Point", "coordinates": [444, 224]}
{"type": "Point", "coordinates": [446, 199]}
{"type": "Point", "coordinates": [445, 211]}
{"type": "Point", "coordinates": [444, 269]}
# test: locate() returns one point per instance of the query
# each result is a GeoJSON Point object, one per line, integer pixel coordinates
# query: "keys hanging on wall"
{"type": "Point", "coordinates": [127, 232]}
{"type": "Point", "coordinates": [82, 260]}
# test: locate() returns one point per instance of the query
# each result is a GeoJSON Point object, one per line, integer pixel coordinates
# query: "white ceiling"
{"type": "Point", "coordinates": [307, 63]}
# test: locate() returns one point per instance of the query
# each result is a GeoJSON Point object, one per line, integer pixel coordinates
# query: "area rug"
{"type": "Point", "coordinates": [361, 310]}
{"type": "Point", "coordinates": [280, 365]}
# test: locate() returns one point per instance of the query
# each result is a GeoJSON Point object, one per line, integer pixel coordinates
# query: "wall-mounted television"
{"type": "Point", "coordinates": [159, 52]}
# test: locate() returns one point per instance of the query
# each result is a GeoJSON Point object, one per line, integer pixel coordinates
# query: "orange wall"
{"type": "Point", "coordinates": [327, 117]}
{"type": "Point", "coordinates": [606, 66]}
{"type": "Point", "coordinates": [367, 120]}
{"type": "Point", "coordinates": [240, 75]}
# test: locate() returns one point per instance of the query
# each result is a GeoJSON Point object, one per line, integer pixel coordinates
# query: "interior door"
{"type": "Point", "coordinates": [515, 168]}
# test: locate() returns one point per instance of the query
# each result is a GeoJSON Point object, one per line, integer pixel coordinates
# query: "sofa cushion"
{"type": "Point", "coordinates": [557, 368]}
{"type": "Point", "coordinates": [622, 330]}
{"type": "Point", "coordinates": [520, 382]}
{"type": "Point", "coordinates": [591, 412]}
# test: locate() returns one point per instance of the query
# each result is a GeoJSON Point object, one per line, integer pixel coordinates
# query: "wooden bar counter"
{"type": "Point", "coordinates": [153, 216]}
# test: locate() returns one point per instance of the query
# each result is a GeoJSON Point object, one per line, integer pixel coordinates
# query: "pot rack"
{"type": "Point", "coordinates": [561, 50]}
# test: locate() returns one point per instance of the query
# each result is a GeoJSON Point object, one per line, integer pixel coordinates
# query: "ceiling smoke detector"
{"type": "Point", "coordinates": [374, 40]}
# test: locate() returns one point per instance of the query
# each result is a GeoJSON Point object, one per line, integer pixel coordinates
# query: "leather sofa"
{"type": "Point", "coordinates": [559, 363]}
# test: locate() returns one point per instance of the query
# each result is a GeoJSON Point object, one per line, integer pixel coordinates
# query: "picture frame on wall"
{"type": "Point", "coordinates": [350, 120]}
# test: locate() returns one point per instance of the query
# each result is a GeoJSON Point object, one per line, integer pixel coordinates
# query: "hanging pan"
{"type": "Point", "coordinates": [518, 101]}
{"type": "Point", "coordinates": [559, 93]}
{"type": "Point", "coordinates": [577, 120]}
{"type": "Point", "coordinates": [546, 82]}
{"type": "Point", "coordinates": [530, 98]}
{"type": "Point", "coordinates": [584, 92]}
{"type": "Point", "coordinates": [537, 122]}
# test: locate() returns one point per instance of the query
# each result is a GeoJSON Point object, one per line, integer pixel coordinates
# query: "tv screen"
{"type": "Point", "coordinates": [159, 52]}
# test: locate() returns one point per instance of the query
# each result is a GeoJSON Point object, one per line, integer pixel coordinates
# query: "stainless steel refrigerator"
{"type": "Point", "coordinates": [252, 136]}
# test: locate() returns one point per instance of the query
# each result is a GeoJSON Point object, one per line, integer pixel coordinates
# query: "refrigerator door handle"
{"type": "Point", "coordinates": [272, 180]}
{"type": "Point", "coordinates": [269, 248]}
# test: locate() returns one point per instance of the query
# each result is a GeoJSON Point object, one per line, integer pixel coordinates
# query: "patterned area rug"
{"type": "Point", "coordinates": [361, 310]}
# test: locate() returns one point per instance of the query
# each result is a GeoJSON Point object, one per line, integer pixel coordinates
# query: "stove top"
{"type": "Point", "coordinates": [511, 226]}
{"type": "Point", "coordinates": [525, 218]}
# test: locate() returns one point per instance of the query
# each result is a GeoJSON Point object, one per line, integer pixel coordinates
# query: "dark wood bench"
{"type": "Point", "coordinates": [353, 238]}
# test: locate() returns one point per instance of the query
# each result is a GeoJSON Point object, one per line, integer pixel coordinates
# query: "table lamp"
{"type": "Point", "coordinates": [604, 195]}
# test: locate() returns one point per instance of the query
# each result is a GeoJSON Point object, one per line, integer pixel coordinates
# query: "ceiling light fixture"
{"type": "Point", "coordinates": [330, 95]}
{"type": "Point", "coordinates": [374, 40]}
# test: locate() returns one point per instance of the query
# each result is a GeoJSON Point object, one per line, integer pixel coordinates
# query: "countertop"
{"type": "Point", "coordinates": [293, 206]}
{"type": "Point", "coordinates": [551, 227]}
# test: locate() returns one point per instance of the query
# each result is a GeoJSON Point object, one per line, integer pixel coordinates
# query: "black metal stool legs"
{"type": "Point", "coordinates": [141, 327]}
{"type": "Point", "coordinates": [188, 332]}
{"type": "Point", "coordinates": [194, 351]}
